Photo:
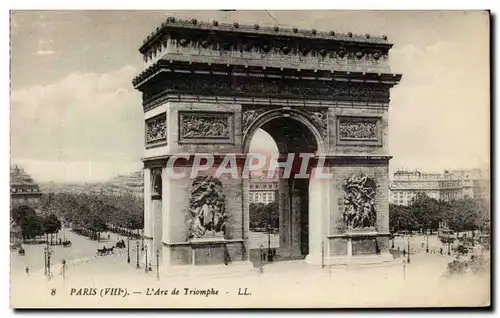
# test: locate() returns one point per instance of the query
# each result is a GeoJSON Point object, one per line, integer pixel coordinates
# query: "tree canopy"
{"type": "Point", "coordinates": [95, 211]}
{"type": "Point", "coordinates": [425, 213]}
{"type": "Point", "coordinates": [264, 215]}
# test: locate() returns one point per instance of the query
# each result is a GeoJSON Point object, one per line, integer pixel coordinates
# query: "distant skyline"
{"type": "Point", "coordinates": [76, 117]}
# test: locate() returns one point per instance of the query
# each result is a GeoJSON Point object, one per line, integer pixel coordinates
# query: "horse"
{"type": "Point", "coordinates": [101, 251]}
{"type": "Point", "coordinates": [120, 244]}
{"type": "Point", "coordinates": [110, 250]}
{"type": "Point", "coordinates": [66, 244]}
{"type": "Point", "coordinates": [21, 251]}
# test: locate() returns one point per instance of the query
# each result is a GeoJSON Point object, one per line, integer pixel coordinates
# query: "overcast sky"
{"type": "Point", "coordinates": [76, 117]}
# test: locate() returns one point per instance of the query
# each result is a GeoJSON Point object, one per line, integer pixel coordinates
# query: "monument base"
{"type": "Point", "coordinates": [204, 251]}
{"type": "Point", "coordinates": [355, 247]}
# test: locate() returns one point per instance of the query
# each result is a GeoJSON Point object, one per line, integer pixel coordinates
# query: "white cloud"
{"type": "Point", "coordinates": [89, 117]}
{"type": "Point", "coordinates": [44, 52]}
{"type": "Point", "coordinates": [439, 113]}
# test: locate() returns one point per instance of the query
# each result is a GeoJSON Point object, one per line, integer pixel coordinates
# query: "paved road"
{"type": "Point", "coordinates": [418, 243]}
{"type": "Point", "coordinates": [284, 284]}
{"type": "Point", "coordinates": [82, 248]}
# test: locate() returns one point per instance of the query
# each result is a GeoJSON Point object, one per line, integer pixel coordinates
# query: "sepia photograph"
{"type": "Point", "coordinates": [250, 159]}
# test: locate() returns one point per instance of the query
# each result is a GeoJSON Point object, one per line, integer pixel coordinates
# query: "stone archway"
{"type": "Point", "coordinates": [206, 88]}
{"type": "Point", "coordinates": [295, 132]}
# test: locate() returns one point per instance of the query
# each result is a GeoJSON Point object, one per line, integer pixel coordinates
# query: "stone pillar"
{"type": "Point", "coordinates": [295, 224]}
{"type": "Point", "coordinates": [147, 203]}
{"type": "Point", "coordinates": [157, 232]}
{"type": "Point", "coordinates": [166, 215]}
{"type": "Point", "coordinates": [319, 212]}
{"type": "Point", "coordinates": [246, 216]}
{"type": "Point", "coordinates": [285, 218]}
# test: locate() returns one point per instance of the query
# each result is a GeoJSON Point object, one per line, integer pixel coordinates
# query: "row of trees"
{"type": "Point", "coordinates": [33, 225]}
{"type": "Point", "coordinates": [93, 212]}
{"type": "Point", "coordinates": [425, 213]}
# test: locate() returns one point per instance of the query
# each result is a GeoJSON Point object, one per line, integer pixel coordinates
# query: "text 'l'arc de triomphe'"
{"type": "Point", "coordinates": [207, 87]}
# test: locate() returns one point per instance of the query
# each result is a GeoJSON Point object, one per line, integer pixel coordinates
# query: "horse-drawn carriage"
{"type": "Point", "coordinates": [66, 243]}
{"type": "Point", "coordinates": [14, 246]}
{"type": "Point", "coordinates": [120, 244]}
{"type": "Point", "coordinates": [21, 251]}
{"type": "Point", "coordinates": [105, 251]}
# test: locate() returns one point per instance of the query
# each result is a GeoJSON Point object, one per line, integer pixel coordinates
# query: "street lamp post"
{"type": "Point", "coordinates": [137, 252]}
{"type": "Point", "coordinates": [269, 252]}
{"type": "Point", "coordinates": [142, 239]}
{"type": "Point", "coordinates": [449, 248]}
{"type": "Point", "coordinates": [427, 247]}
{"type": "Point", "coordinates": [158, 264]}
{"type": "Point", "coordinates": [146, 255]}
{"type": "Point", "coordinates": [64, 269]}
{"type": "Point", "coordinates": [261, 266]}
{"type": "Point", "coordinates": [48, 253]}
{"type": "Point", "coordinates": [45, 261]}
{"type": "Point", "coordinates": [128, 250]}
{"type": "Point", "coordinates": [408, 250]}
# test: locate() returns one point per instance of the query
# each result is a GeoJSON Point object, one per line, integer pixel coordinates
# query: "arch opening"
{"type": "Point", "coordinates": [279, 205]}
{"type": "Point", "coordinates": [156, 209]}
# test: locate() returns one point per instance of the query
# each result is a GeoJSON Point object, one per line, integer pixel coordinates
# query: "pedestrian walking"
{"type": "Point", "coordinates": [27, 270]}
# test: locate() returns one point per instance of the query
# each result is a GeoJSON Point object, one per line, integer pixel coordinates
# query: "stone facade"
{"type": "Point", "coordinates": [314, 92]}
{"type": "Point", "coordinates": [263, 189]}
{"type": "Point", "coordinates": [24, 190]}
{"type": "Point", "coordinates": [450, 185]}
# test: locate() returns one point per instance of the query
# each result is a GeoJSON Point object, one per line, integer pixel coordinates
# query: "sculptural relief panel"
{"type": "Point", "coordinates": [156, 131]}
{"type": "Point", "coordinates": [359, 131]}
{"type": "Point", "coordinates": [250, 115]}
{"type": "Point", "coordinates": [207, 209]}
{"type": "Point", "coordinates": [202, 127]}
{"type": "Point", "coordinates": [359, 202]}
{"type": "Point", "coordinates": [320, 118]}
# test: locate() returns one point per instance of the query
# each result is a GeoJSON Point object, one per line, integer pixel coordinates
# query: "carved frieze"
{"type": "Point", "coordinates": [359, 202]}
{"type": "Point", "coordinates": [203, 126]}
{"type": "Point", "coordinates": [250, 115]}
{"type": "Point", "coordinates": [156, 130]}
{"type": "Point", "coordinates": [358, 130]}
{"type": "Point", "coordinates": [277, 41]}
{"type": "Point", "coordinates": [221, 85]}
{"type": "Point", "coordinates": [207, 208]}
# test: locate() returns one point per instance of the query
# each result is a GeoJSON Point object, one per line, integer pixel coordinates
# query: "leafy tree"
{"type": "Point", "coordinates": [462, 216]}
{"type": "Point", "coordinates": [264, 215]}
{"type": "Point", "coordinates": [32, 227]}
{"type": "Point", "coordinates": [51, 225]}
{"type": "Point", "coordinates": [425, 210]}
{"type": "Point", "coordinates": [402, 218]}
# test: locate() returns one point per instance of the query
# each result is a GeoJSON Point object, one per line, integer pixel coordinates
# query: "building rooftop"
{"type": "Point", "coordinates": [173, 24]}
{"type": "Point", "coordinates": [20, 179]}
{"type": "Point", "coordinates": [192, 46]}
{"type": "Point", "coordinates": [416, 175]}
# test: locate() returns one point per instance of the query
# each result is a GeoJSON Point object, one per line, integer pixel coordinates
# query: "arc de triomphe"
{"type": "Point", "coordinates": [207, 87]}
